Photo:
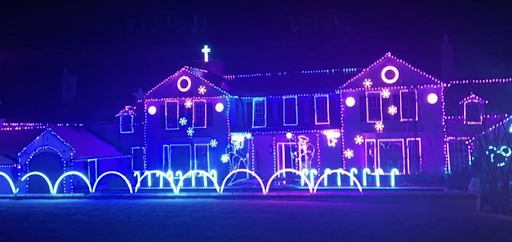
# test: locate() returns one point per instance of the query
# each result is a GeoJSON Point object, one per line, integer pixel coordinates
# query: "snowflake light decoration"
{"type": "Point", "coordinates": [224, 158]}
{"type": "Point", "coordinates": [348, 153]}
{"type": "Point", "coordinates": [201, 90]}
{"type": "Point", "coordinates": [385, 93]}
{"type": "Point", "coordinates": [214, 143]}
{"type": "Point", "coordinates": [190, 131]}
{"type": "Point", "coordinates": [367, 83]}
{"type": "Point", "coordinates": [392, 109]}
{"type": "Point", "coordinates": [183, 121]}
{"type": "Point", "coordinates": [379, 126]}
{"type": "Point", "coordinates": [188, 103]}
{"type": "Point", "coordinates": [359, 139]}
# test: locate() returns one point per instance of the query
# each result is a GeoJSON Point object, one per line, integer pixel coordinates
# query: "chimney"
{"type": "Point", "coordinates": [68, 82]}
{"type": "Point", "coordinates": [447, 66]}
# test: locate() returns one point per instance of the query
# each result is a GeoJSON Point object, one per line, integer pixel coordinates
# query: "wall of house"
{"type": "Point", "coordinates": [160, 142]}
{"type": "Point", "coordinates": [428, 128]}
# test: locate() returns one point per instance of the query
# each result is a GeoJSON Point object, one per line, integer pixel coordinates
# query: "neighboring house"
{"type": "Point", "coordinates": [54, 150]}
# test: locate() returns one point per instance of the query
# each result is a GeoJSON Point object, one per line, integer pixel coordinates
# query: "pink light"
{"type": "Point", "coordinates": [385, 93]}
{"type": "Point", "coordinates": [367, 83]}
{"type": "Point", "coordinates": [332, 137]}
{"type": "Point", "coordinates": [392, 110]}
{"type": "Point", "coordinates": [402, 106]}
{"type": "Point", "coordinates": [385, 70]}
{"type": "Point", "coordinates": [201, 90]}
{"type": "Point", "coordinates": [379, 126]}
{"type": "Point", "coordinates": [432, 98]}
{"type": "Point", "coordinates": [219, 107]}
{"type": "Point", "coordinates": [188, 84]}
{"type": "Point", "coordinates": [152, 110]}
{"type": "Point", "coordinates": [403, 152]}
{"type": "Point", "coordinates": [368, 109]}
{"type": "Point", "coordinates": [359, 139]}
{"type": "Point", "coordinates": [350, 101]}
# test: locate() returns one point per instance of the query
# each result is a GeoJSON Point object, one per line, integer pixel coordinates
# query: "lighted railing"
{"type": "Point", "coordinates": [307, 178]}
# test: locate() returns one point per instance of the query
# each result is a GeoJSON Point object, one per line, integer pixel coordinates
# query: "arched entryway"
{"type": "Point", "coordinates": [50, 164]}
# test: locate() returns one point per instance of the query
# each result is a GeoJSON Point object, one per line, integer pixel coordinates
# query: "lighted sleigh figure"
{"type": "Point", "coordinates": [176, 180]}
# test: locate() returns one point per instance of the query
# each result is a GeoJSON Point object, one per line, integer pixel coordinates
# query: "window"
{"type": "Point", "coordinates": [180, 157]}
{"type": "Point", "coordinates": [458, 155]}
{"type": "Point", "coordinates": [202, 160]}
{"type": "Point", "coordinates": [259, 112]}
{"type": "Point", "coordinates": [171, 115]}
{"type": "Point", "coordinates": [126, 124]}
{"type": "Point", "coordinates": [199, 115]}
{"type": "Point", "coordinates": [391, 155]}
{"type": "Point", "coordinates": [472, 113]}
{"type": "Point", "coordinates": [138, 158]}
{"type": "Point", "coordinates": [408, 105]}
{"type": "Point", "coordinates": [322, 109]}
{"type": "Point", "coordinates": [373, 107]}
{"type": "Point", "coordinates": [290, 111]}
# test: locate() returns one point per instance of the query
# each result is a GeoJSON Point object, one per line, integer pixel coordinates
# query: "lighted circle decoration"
{"type": "Point", "coordinates": [152, 110]}
{"type": "Point", "coordinates": [289, 135]}
{"type": "Point", "coordinates": [387, 80]}
{"type": "Point", "coordinates": [432, 98]}
{"type": "Point", "coordinates": [248, 136]}
{"type": "Point", "coordinates": [187, 85]}
{"type": "Point", "coordinates": [219, 107]}
{"type": "Point", "coordinates": [350, 101]}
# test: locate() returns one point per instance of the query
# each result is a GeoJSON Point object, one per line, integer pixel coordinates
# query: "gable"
{"type": "Point", "coordinates": [389, 72]}
{"type": "Point", "coordinates": [186, 83]}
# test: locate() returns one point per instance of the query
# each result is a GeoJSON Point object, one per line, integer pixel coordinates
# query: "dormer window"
{"type": "Point", "coordinates": [473, 109]}
{"type": "Point", "coordinates": [126, 118]}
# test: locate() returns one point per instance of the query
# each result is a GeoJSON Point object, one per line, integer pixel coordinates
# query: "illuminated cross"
{"type": "Point", "coordinates": [206, 50]}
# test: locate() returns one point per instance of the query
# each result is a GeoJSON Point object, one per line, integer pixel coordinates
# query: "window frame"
{"type": "Point", "coordinates": [368, 107]}
{"type": "Point", "coordinates": [264, 101]}
{"type": "Point", "coordinates": [402, 119]}
{"type": "Point", "coordinates": [285, 111]}
{"type": "Point", "coordinates": [177, 114]}
{"type": "Point", "coordinates": [327, 110]}
{"type": "Point", "coordinates": [194, 114]}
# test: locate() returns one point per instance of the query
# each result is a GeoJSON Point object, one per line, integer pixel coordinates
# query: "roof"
{"type": "Point", "coordinates": [86, 144]}
{"type": "Point", "coordinates": [289, 83]}
{"type": "Point", "coordinates": [13, 141]}
{"type": "Point", "coordinates": [455, 126]}
{"type": "Point", "coordinates": [497, 94]}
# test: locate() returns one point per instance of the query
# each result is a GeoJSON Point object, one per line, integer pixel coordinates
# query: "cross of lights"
{"type": "Point", "coordinates": [205, 50]}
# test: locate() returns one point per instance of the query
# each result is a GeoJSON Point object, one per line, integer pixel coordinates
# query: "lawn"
{"type": "Point", "coordinates": [394, 218]}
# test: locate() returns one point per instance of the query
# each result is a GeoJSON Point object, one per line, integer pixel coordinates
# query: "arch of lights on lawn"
{"type": "Point", "coordinates": [176, 180]}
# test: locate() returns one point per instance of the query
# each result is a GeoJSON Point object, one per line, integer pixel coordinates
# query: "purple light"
{"type": "Point", "coordinates": [385, 70]}
{"type": "Point", "coordinates": [188, 85]}
{"type": "Point", "coordinates": [432, 98]}
{"type": "Point", "coordinates": [152, 110]}
{"type": "Point", "coordinates": [350, 102]}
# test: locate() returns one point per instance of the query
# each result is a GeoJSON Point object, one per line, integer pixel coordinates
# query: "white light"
{"type": "Point", "coordinates": [432, 98]}
{"type": "Point", "coordinates": [350, 102]}
{"type": "Point", "coordinates": [387, 80]}
{"type": "Point", "coordinates": [219, 107]}
{"type": "Point", "coordinates": [187, 87]}
{"type": "Point", "coordinates": [205, 50]}
{"type": "Point", "coordinates": [289, 135]}
{"type": "Point", "coordinates": [152, 110]}
{"type": "Point", "coordinates": [248, 136]}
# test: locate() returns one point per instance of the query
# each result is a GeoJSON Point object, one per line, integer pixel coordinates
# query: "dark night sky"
{"type": "Point", "coordinates": [105, 45]}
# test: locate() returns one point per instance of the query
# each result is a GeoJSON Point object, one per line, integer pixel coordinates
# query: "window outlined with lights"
{"type": "Point", "coordinates": [172, 115]}
{"type": "Point", "coordinates": [408, 105]}
{"type": "Point", "coordinates": [290, 111]}
{"type": "Point", "coordinates": [373, 107]}
{"type": "Point", "coordinates": [202, 157]}
{"type": "Point", "coordinates": [126, 123]}
{"type": "Point", "coordinates": [322, 109]}
{"type": "Point", "coordinates": [391, 154]}
{"type": "Point", "coordinates": [459, 156]}
{"type": "Point", "coordinates": [259, 112]}
{"type": "Point", "coordinates": [199, 119]}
